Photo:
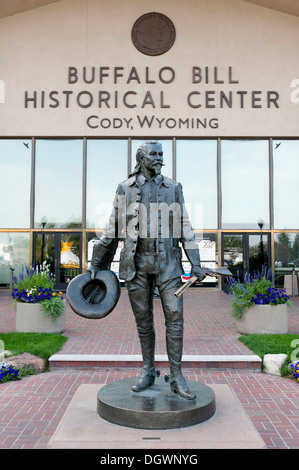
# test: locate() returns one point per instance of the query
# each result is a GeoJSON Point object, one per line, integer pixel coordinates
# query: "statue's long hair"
{"type": "Point", "coordinates": [140, 153]}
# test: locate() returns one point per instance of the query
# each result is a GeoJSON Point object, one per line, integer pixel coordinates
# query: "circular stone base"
{"type": "Point", "coordinates": [156, 407]}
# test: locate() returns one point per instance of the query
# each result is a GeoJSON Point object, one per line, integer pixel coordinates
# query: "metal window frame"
{"type": "Point", "coordinates": [84, 231]}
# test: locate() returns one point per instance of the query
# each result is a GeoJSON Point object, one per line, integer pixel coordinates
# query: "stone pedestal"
{"type": "Point", "coordinates": [157, 407]}
{"type": "Point", "coordinates": [82, 428]}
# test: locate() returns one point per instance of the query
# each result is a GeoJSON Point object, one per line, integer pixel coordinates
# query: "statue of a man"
{"type": "Point", "coordinates": [150, 217]}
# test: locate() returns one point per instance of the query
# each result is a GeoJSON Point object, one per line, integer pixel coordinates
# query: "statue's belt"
{"type": "Point", "coordinates": [146, 246]}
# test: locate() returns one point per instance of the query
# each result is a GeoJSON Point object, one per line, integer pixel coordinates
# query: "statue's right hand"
{"type": "Point", "coordinates": [92, 270]}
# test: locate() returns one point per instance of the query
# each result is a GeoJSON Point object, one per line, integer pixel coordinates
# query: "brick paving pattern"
{"type": "Point", "coordinates": [32, 408]}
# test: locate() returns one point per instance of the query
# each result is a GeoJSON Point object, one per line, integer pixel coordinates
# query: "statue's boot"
{"type": "Point", "coordinates": [143, 311]}
{"type": "Point", "coordinates": [177, 382]}
{"type": "Point", "coordinates": [149, 373]}
{"type": "Point", "coordinates": [178, 385]}
{"type": "Point", "coordinates": [147, 379]}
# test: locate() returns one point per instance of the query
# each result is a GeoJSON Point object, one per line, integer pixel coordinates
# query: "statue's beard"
{"type": "Point", "coordinates": [158, 167]}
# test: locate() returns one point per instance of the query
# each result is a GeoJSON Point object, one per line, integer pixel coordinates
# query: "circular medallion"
{"type": "Point", "coordinates": [153, 34]}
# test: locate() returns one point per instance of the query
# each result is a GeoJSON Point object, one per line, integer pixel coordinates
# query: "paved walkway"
{"type": "Point", "coordinates": [32, 408]}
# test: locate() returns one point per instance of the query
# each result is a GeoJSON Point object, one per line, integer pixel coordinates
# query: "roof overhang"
{"type": "Point", "coordinates": [286, 6]}
{"type": "Point", "coordinates": [12, 7]}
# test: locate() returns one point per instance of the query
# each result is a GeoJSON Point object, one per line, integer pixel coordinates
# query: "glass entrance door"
{"type": "Point", "coordinates": [245, 252]}
{"type": "Point", "coordinates": [62, 251]}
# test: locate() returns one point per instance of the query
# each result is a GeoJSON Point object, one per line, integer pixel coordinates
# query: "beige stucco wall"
{"type": "Point", "coordinates": [260, 46]}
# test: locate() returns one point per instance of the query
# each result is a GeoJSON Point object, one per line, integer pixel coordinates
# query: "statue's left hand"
{"type": "Point", "coordinates": [198, 272]}
{"type": "Point", "coordinates": [92, 270]}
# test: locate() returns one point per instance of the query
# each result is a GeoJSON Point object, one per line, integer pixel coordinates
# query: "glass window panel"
{"type": "Point", "coordinates": [58, 183]}
{"type": "Point", "coordinates": [197, 172]}
{"type": "Point", "coordinates": [91, 239]}
{"type": "Point", "coordinates": [107, 163]}
{"type": "Point", "coordinates": [62, 254]}
{"type": "Point", "coordinates": [286, 257]}
{"type": "Point", "coordinates": [167, 155]}
{"type": "Point", "coordinates": [232, 253]}
{"type": "Point", "coordinates": [14, 252]}
{"type": "Point", "coordinates": [245, 183]}
{"type": "Point", "coordinates": [258, 252]}
{"type": "Point", "coordinates": [208, 249]}
{"type": "Point", "coordinates": [286, 187]}
{"type": "Point", "coordinates": [15, 162]}
{"type": "Point", "coordinates": [45, 250]}
{"type": "Point", "coordinates": [69, 265]}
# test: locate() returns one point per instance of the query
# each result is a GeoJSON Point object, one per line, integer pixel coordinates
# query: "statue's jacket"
{"type": "Point", "coordinates": [173, 228]}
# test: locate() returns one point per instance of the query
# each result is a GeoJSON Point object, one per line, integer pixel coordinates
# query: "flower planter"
{"type": "Point", "coordinates": [30, 318]}
{"type": "Point", "coordinates": [264, 319]}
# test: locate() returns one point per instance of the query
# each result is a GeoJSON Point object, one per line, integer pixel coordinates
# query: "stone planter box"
{"type": "Point", "coordinates": [264, 319]}
{"type": "Point", "coordinates": [30, 318]}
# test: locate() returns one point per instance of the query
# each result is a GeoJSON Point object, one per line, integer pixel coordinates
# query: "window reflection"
{"type": "Point", "coordinates": [69, 265]}
{"type": "Point", "coordinates": [258, 252]}
{"type": "Point", "coordinates": [15, 163]}
{"type": "Point", "coordinates": [245, 183]}
{"type": "Point", "coordinates": [45, 250]}
{"type": "Point", "coordinates": [286, 188]}
{"type": "Point", "coordinates": [245, 196]}
{"type": "Point", "coordinates": [233, 254]}
{"type": "Point", "coordinates": [286, 256]}
{"type": "Point", "coordinates": [197, 172]}
{"type": "Point", "coordinates": [14, 252]}
{"type": "Point", "coordinates": [167, 154]}
{"type": "Point", "coordinates": [58, 184]}
{"type": "Point", "coordinates": [245, 252]}
{"type": "Point", "coordinates": [106, 168]}
{"type": "Point", "coordinates": [91, 239]}
{"type": "Point", "coordinates": [208, 249]}
{"type": "Point", "coordinates": [62, 254]}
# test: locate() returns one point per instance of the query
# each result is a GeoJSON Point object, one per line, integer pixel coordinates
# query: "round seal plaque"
{"type": "Point", "coordinates": [153, 34]}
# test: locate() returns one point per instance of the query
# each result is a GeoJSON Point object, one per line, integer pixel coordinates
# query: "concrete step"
{"type": "Point", "coordinates": [90, 361]}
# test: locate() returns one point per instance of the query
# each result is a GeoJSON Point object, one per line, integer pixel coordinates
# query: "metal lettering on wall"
{"type": "Point", "coordinates": [153, 34]}
{"type": "Point", "coordinates": [102, 101]}
{"type": "Point", "coordinates": [106, 88]}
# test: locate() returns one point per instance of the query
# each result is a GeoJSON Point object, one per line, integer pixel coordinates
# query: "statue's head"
{"type": "Point", "coordinates": [149, 155]}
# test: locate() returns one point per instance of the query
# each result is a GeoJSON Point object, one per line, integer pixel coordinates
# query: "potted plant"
{"type": "Point", "coordinates": [38, 307]}
{"type": "Point", "coordinates": [258, 306]}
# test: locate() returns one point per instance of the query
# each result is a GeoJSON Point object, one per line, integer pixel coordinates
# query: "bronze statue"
{"type": "Point", "coordinates": [150, 217]}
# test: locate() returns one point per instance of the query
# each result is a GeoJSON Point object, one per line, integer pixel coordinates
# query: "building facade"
{"type": "Point", "coordinates": [84, 82]}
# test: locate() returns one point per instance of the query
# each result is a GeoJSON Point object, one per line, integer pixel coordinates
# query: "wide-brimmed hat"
{"type": "Point", "coordinates": [94, 298]}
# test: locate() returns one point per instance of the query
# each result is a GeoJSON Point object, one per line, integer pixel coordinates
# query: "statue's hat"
{"type": "Point", "coordinates": [94, 298]}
